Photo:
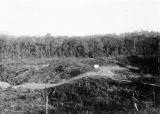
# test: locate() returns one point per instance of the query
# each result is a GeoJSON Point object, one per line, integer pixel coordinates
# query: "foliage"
{"type": "Point", "coordinates": [97, 94]}
{"type": "Point", "coordinates": [135, 43]}
{"type": "Point", "coordinates": [66, 68]}
{"type": "Point", "coordinates": [16, 76]}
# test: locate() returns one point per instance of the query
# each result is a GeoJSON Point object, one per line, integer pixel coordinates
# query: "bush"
{"type": "Point", "coordinates": [70, 67]}
{"type": "Point", "coordinates": [99, 94]}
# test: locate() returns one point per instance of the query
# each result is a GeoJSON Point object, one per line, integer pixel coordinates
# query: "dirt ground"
{"type": "Point", "coordinates": [104, 71]}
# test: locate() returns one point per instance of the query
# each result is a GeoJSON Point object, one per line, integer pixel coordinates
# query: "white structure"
{"type": "Point", "coordinates": [96, 66]}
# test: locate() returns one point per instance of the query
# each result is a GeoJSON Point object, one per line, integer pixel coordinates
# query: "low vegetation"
{"type": "Point", "coordinates": [51, 60]}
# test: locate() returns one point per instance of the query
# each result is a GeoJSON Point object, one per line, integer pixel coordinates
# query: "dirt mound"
{"type": "Point", "coordinates": [102, 72]}
{"type": "Point", "coordinates": [60, 70]}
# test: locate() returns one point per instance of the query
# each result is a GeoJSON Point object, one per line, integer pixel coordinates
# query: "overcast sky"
{"type": "Point", "coordinates": [78, 17]}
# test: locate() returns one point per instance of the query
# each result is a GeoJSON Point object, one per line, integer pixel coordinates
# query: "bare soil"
{"type": "Point", "coordinates": [104, 71]}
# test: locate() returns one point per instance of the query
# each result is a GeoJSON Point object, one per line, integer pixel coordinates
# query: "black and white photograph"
{"type": "Point", "coordinates": [79, 56]}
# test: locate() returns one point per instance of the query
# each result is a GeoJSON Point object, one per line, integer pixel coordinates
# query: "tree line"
{"type": "Point", "coordinates": [135, 43]}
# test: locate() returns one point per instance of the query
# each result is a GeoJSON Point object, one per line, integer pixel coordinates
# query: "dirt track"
{"type": "Point", "coordinates": [4, 85]}
{"type": "Point", "coordinates": [104, 71]}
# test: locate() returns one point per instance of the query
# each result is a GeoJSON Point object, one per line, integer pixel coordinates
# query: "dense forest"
{"type": "Point", "coordinates": [135, 43]}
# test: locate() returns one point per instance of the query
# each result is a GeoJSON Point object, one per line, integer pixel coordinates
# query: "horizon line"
{"type": "Point", "coordinates": [8, 34]}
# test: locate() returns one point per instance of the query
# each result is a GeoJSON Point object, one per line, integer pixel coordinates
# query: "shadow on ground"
{"type": "Point", "coordinates": [146, 65]}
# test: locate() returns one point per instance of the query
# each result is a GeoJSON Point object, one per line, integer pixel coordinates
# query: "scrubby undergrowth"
{"type": "Point", "coordinates": [99, 94]}
{"type": "Point", "coordinates": [55, 71]}
{"type": "Point", "coordinates": [82, 94]}
{"type": "Point", "coordinates": [91, 94]}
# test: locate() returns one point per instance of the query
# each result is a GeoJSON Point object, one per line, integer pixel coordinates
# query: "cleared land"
{"type": "Point", "coordinates": [70, 83]}
{"type": "Point", "coordinates": [104, 71]}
